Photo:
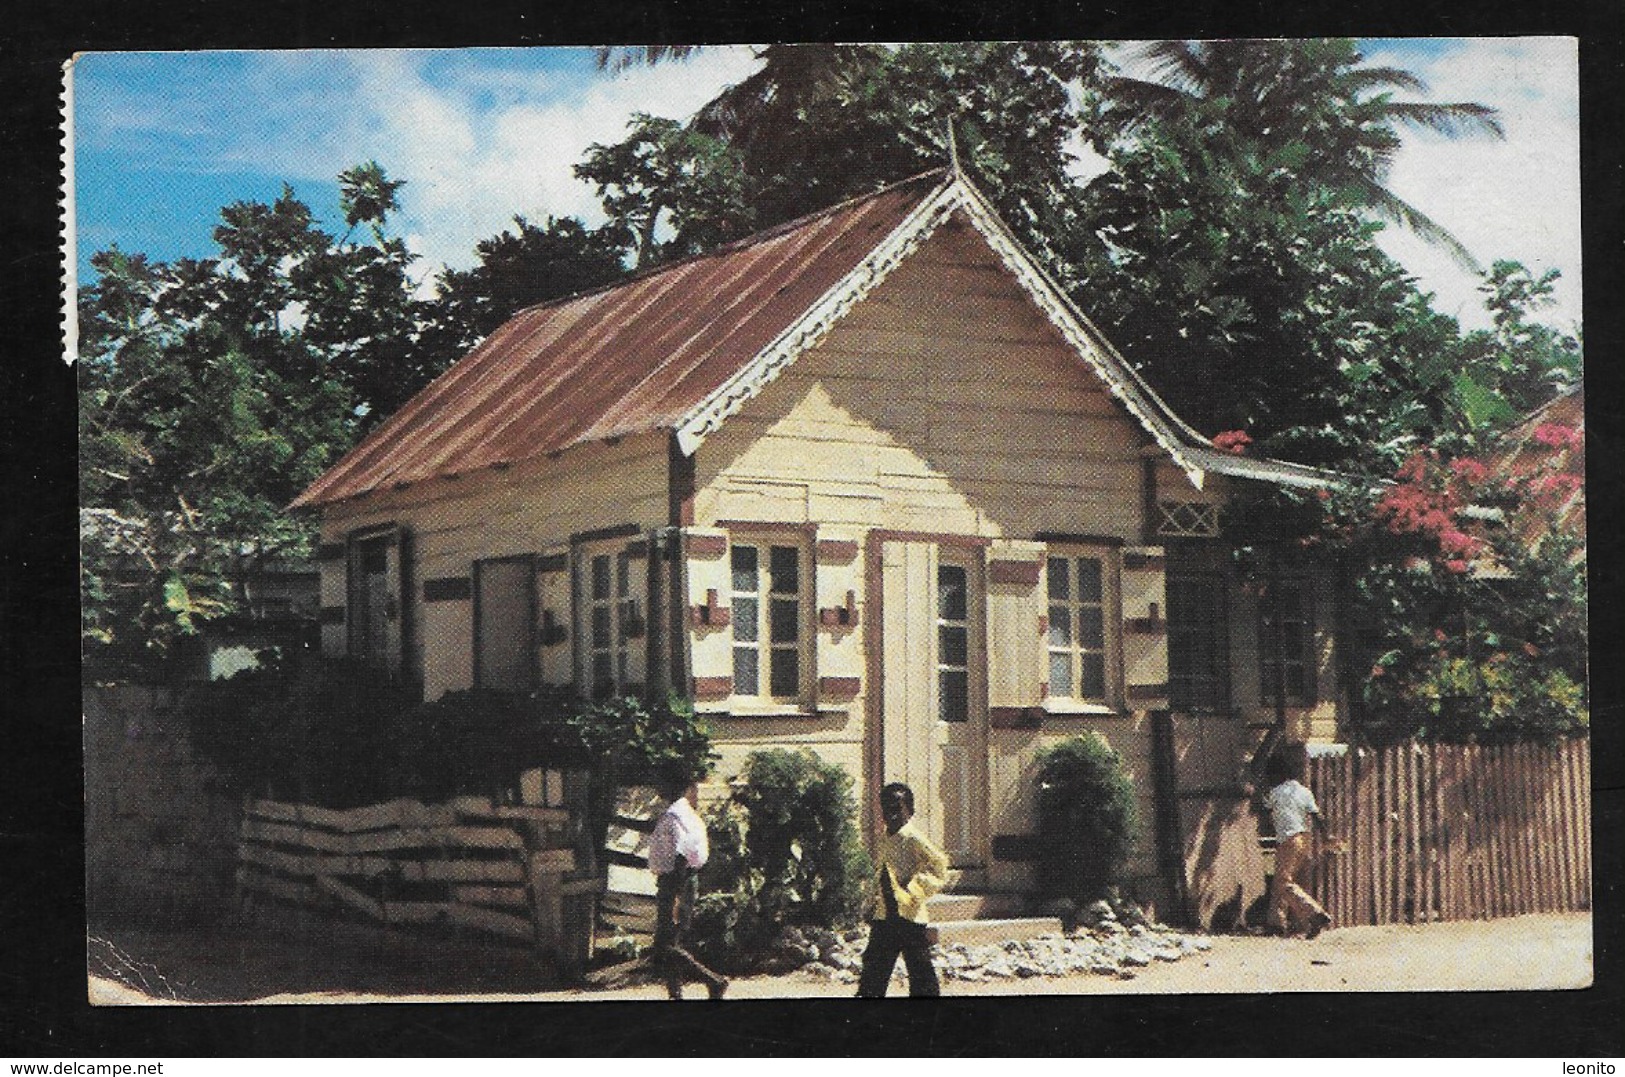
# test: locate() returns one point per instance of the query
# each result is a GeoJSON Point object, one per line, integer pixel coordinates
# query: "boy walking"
{"type": "Point", "coordinates": [910, 870]}
{"type": "Point", "coordinates": [1292, 809]}
{"type": "Point", "coordinates": [678, 849]}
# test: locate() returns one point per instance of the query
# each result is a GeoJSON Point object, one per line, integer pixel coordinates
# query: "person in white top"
{"type": "Point", "coordinates": [1293, 810]}
{"type": "Point", "coordinates": [678, 849]}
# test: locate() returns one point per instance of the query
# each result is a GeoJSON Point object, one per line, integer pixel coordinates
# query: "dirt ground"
{"type": "Point", "coordinates": [145, 967]}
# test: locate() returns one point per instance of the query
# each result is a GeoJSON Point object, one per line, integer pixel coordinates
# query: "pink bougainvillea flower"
{"type": "Point", "coordinates": [1470, 471]}
{"type": "Point", "coordinates": [1557, 436]}
{"type": "Point", "coordinates": [1233, 441]}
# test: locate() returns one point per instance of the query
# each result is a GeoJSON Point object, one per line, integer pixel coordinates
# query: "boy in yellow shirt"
{"type": "Point", "coordinates": [910, 870]}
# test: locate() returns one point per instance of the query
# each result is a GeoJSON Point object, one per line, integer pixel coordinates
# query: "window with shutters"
{"type": "Point", "coordinates": [1083, 627]}
{"type": "Point", "coordinates": [770, 589]}
{"type": "Point", "coordinates": [1285, 641]}
{"type": "Point", "coordinates": [1198, 643]}
{"type": "Point", "coordinates": [609, 611]}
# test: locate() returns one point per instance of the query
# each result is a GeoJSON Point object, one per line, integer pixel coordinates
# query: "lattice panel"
{"type": "Point", "coordinates": [1188, 519]}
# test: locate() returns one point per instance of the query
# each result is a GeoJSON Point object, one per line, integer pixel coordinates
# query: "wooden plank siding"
{"type": "Point", "coordinates": [1453, 832]}
{"type": "Point", "coordinates": [497, 513]}
{"type": "Point", "coordinates": [946, 403]}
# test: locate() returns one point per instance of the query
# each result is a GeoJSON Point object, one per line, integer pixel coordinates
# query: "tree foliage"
{"type": "Point", "coordinates": [1474, 604]}
{"type": "Point", "coordinates": [211, 392]}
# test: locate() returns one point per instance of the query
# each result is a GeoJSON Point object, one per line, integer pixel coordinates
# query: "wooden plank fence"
{"type": "Point", "coordinates": [497, 869]}
{"type": "Point", "coordinates": [1455, 832]}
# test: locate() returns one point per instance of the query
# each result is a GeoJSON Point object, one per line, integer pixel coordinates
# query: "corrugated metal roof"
{"type": "Point", "coordinates": [627, 359]}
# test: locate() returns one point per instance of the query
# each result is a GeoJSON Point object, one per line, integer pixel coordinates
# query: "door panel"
{"type": "Point", "coordinates": [934, 702]}
{"type": "Point", "coordinates": [504, 595]}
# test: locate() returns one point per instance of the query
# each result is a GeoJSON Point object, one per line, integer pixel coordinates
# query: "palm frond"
{"type": "Point", "coordinates": [1180, 64]}
{"type": "Point", "coordinates": [1452, 121]}
{"type": "Point", "coordinates": [617, 58]}
{"type": "Point", "coordinates": [1389, 206]}
{"type": "Point", "coordinates": [1366, 79]}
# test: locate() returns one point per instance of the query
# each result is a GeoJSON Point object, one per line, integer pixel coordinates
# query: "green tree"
{"type": "Point", "coordinates": [1519, 363]}
{"type": "Point", "coordinates": [1310, 107]}
{"type": "Point", "coordinates": [211, 392]}
{"type": "Point", "coordinates": [668, 175]}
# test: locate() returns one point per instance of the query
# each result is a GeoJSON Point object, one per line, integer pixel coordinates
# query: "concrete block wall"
{"type": "Point", "coordinates": [160, 824]}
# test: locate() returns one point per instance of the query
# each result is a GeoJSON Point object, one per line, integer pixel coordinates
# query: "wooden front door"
{"type": "Point", "coordinates": [934, 704]}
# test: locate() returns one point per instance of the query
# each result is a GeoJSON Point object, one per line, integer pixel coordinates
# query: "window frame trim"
{"type": "Point", "coordinates": [1110, 557]}
{"type": "Point", "coordinates": [763, 537]}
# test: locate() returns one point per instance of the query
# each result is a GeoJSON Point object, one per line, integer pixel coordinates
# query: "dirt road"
{"type": "Point", "coordinates": [1549, 952]}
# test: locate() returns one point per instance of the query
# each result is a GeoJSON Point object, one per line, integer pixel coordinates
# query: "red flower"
{"type": "Point", "coordinates": [1233, 441]}
{"type": "Point", "coordinates": [1557, 436]}
{"type": "Point", "coordinates": [1470, 471]}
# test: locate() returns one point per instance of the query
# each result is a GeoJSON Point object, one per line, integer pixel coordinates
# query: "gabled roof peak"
{"type": "Point", "coordinates": [685, 345]}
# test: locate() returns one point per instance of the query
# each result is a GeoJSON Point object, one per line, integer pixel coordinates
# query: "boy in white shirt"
{"type": "Point", "coordinates": [678, 849]}
{"type": "Point", "coordinates": [1292, 809]}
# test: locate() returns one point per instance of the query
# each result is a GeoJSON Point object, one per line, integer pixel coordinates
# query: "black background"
{"type": "Point", "coordinates": [42, 944]}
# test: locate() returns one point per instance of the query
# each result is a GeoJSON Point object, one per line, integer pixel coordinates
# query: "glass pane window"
{"type": "Point", "coordinates": [744, 569]}
{"type": "Point", "coordinates": [1285, 632]}
{"type": "Point", "coordinates": [608, 609]}
{"type": "Point", "coordinates": [1077, 637]}
{"type": "Point", "coordinates": [953, 645]}
{"type": "Point", "coordinates": [769, 612]}
{"type": "Point", "coordinates": [1198, 642]}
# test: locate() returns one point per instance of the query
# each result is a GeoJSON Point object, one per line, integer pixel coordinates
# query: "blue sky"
{"type": "Point", "coordinates": [163, 140]}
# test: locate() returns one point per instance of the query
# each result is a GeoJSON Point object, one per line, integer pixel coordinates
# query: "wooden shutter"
{"type": "Point", "coordinates": [332, 571]}
{"type": "Point", "coordinates": [708, 584]}
{"type": "Point", "coordinates": [406, 588]}
{"type": "Point", "coordinates": [554, 660]}
{"type": "Point", "coordinates": [1015, 632]}
{"type": "Point", "coordinates": [377, 607]}
{"type": "Point", "coordinates": [838, 591]}
{"type": "Point", "coordinates": [632, 614]}
{"type": "Point", "coordinates": [1145, 628]}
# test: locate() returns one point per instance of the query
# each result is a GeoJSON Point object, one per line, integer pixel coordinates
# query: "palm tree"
{"type": "Point", "coordinates": [1312, 103]}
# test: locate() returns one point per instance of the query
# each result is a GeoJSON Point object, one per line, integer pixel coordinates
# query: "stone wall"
{"type": "Point", "coordinates": [160, 825]}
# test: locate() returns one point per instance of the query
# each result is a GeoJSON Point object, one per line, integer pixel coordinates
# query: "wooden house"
{"type": "Point", "coordinates": [866, 483]}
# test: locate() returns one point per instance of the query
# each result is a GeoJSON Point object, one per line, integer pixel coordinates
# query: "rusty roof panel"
{"type": "Point", "coordinates": [627, 359]}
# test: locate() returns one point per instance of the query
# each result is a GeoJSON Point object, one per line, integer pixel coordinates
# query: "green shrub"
{"type": "Point", "coordinates": [312, 729]}
{"type": "Point", "coordinates": [1087, 821]}
{"type": "Point", "coordinates": [338, 733]}
{"type": "Point", "coordinates": [785, 850]}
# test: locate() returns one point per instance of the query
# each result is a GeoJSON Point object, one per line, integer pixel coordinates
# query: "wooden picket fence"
{"type": "Point", "coordinates": [469, 865]}
{"type": "Point", "coordinates": [1455, 832]}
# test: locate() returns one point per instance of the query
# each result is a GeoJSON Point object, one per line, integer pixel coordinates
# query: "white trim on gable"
{"type": "Point", "coordinates": [1194, 454]}
{"type": "Point", "coordinates": [806, 331]}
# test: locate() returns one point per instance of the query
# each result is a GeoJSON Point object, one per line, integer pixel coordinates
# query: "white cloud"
{"type": "Point", "coordinates": [1518, 198]}
{"type": "Point", "coordinates": [469, 170]}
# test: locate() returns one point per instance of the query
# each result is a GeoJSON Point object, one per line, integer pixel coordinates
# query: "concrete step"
{"type": "Point", "coordinates": [973, 906]}
{"type": "Point", "coordinates": [983, 932]}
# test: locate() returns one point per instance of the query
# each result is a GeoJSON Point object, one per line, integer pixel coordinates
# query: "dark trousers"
{"type": "Point", "coordinates": [887, 939]}
{"type": "Point", "coordinates": [675, 892]}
